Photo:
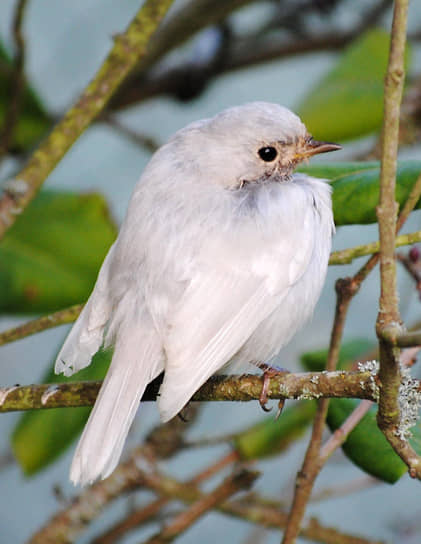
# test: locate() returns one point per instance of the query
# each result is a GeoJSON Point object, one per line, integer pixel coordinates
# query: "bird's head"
{"type": "Point", "coordinates": [249, 144]}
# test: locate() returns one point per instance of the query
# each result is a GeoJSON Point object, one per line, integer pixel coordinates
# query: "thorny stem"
{"type": "Point", "coordinates": [128, 49]}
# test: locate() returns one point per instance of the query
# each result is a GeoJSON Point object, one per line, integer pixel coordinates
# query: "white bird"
{"type": "Point", "coordinates": [221, 257]}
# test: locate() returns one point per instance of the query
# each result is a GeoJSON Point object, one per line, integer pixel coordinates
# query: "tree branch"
{"type": "Point", "coordinates": [17, 81]}
{"type": "Point", "coordinates": [346, 256]}
{"type": "Point", "coordinates": [128, 49]}
{"type": "Point", "coordinates": [241, 479]}
{"type": "Point", "coordinates": [189, 80]}
{"type": "Point", "coordinates": [388, 324]}
{"type": "Point", "coordinates": [138, 471]}
{"type": "Point", "coordinates": [140, 516]}
{"type": "Point", "coordinates": [247, 387]}
{"type": "Point", "coordinates": [68, 315]}
{"type": "Point", "coordinates": [345, 290]}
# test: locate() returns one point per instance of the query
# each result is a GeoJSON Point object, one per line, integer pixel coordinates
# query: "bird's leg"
{"type": "Point", "coordinates": [268, 372]}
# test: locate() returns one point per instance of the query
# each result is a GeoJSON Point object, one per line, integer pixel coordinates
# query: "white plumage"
{"type": "Point", "coordinates": [221, 257]}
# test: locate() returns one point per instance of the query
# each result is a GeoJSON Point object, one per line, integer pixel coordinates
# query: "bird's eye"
{"type": "Point", "coordinates": [268, 154]}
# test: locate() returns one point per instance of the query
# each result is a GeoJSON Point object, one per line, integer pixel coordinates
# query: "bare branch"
{"type": "Point", "coordinates": [17, 80]}
{"type": "Point", "coordinates": [68, 315]}
{"type": "Point", "coordinates": [306, 385]}
{"type": "Point", "coordinates": [346, 256]}
{"type": "Point", "coordinates": [128, 49]}
{"type": "Point", "coordinates": [241, 479]}
{"type": "Point", "coordinates": [388, 324]}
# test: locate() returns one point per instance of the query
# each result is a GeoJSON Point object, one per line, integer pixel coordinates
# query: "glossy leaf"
{"type": "Point", "coordinates": [33, 121]}
{"type": "Point", "coordinates": [43, 435]}
{"type": "Point", "coordinates": [315, 361]}
{"type": "Point", "coordinates": [356, 187]}
{"type": "Point", "coordinates": [348, 102]}
{"type": "Point", "coordinates": [270, 436]}
{"type": "Point", "coordinates": [50, 257]}
{"type": "Point", "coordinates": [366, 445]}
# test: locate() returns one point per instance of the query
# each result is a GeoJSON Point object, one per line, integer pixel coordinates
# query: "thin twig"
{"type": "Point", "coordinates": [252, 509]}
{"type": "Point", "coordinates": [147, 512]}
{"type": "Point", "coordinates": [146, 142]}
{"type": "Point", "coordinates": [243, 52]}
{"type": "Point", "coordinates": [272, 516]}
{"type": "Point", "coordinates": [341, 434]}
{"type": "Point", "coordinates": [17, 80]}
{"type": "Point", "coordinates": [345, 290]}
{"type": "Point", "coordinates": [241, 479]}
{"type": "Point", "coordinates": [312, 463]}
{"type": "Point", "coordinates": [412, 266]}
{"type": "Point", "coordinates": [409, 339]}
{"type": "Point", "coordinates": [67, 525]}
{"type": "Point", "coordinates": [68, 315]}
{"type": "Point", "coordinates": [344, 489]}
{"type": "Point", "coordinates": [137, 472]}
{"type": "Point", "coordinates": [409, 205]}
{"type": "Point", "coordinates": [346, 256]}
{"type": "Point", "coordinates": [127, 51]}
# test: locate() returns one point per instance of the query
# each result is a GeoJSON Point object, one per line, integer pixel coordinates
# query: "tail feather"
{"type": "Point", "coordinates": [137, 360]}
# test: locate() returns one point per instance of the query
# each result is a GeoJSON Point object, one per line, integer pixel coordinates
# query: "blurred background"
{"type": "Point", "coordinates": [324, 59]}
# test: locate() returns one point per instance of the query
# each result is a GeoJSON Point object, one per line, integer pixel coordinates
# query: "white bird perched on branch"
{"type": "Point", "coordinates": [221, 257]}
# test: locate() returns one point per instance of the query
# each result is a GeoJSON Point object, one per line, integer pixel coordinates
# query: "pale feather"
{"type": "Point", "coordinates": [86, 336]}
{"type": "Point", "coordinates": [235, 289]}
{"type": "Point", "coordinates": [137, 360]}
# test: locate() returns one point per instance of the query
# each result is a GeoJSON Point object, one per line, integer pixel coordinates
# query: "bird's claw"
{"type": "Point", "coordinates": [268, 373]}
{"type": "Point", "coordinates": [263, 399]}
{"type": "Point", "coordinates": [280, 408]}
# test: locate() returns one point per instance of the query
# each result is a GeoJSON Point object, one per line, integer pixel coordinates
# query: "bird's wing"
{"type": "Point", "coordinates": [222, 307]}
{"type": "Point", "coordinates": [86, 336]}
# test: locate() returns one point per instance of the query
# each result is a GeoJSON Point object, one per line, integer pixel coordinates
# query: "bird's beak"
{"type": "Point", "coordinates": [313, 147]}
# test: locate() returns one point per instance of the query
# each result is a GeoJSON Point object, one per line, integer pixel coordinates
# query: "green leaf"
{"type": "Point", "coordinates": [356, 187]}
{"type": "Point", "coordinates": [366, 446]}
{"type": "Point", "coordinates": [315, 361]}
{"type": "Point", "coordinates": [50, 257]}
{"type": "Point", "coordinates": [270, 436]}
{"type": "Point", "coordinates": [33, 120]}
{"type": "Point", "coordinates": [43, 435]}
{"type": "Point", "coordinates": [348, 101]}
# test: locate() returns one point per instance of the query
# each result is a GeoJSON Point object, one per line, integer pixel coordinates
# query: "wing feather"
{"type": "Point", "coordinates": [223, 307]}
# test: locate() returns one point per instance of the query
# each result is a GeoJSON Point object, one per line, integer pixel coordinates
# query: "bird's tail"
{"type": "Point", "coordinates": [86, 335]}
{"type": "Point", "coordinates": [137, 360]}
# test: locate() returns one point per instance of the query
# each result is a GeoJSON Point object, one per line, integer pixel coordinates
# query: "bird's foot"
{"type": "Point", "coordinates": [268, 373]}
